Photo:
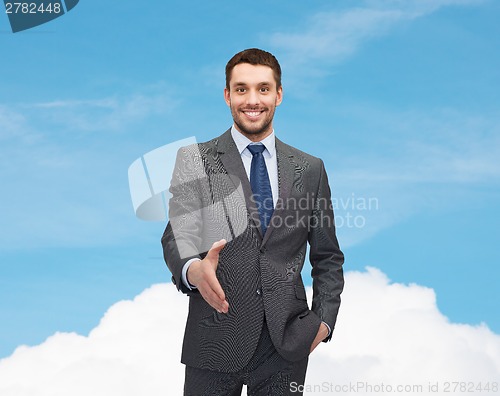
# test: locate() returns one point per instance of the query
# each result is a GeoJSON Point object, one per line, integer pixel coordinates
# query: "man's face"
{"type": "Point", "coordinates": [253, 97]}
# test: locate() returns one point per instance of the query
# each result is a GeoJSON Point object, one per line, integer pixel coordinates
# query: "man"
{"type": "Point", "coordinates": [244, 206]}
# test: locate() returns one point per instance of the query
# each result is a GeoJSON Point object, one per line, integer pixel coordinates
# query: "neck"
{"type": "Point", "coordinates": [255, 137]}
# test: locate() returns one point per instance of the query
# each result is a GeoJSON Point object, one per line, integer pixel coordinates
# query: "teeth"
{"type": "Point", "coordinates": [252, 113]}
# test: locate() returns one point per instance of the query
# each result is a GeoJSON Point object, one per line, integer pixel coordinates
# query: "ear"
{"type": "Point", "coordinates": [279, 96]}
{"type": "Point", "coordinates": [227, 97]}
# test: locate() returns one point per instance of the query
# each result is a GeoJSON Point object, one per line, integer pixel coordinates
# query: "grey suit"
{"type": "Point", "coordinates": [260, 275]}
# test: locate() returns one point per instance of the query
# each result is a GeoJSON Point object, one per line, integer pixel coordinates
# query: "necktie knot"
{"type": "Point", "coordinates": [256, 148]}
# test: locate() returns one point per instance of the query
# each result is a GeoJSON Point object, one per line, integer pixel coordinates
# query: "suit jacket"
{"type": "Point", "coordinates": [260, 274]}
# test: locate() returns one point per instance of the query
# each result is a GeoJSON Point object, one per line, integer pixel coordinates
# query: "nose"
{"type": "Point", "coordinates": [253, 97]}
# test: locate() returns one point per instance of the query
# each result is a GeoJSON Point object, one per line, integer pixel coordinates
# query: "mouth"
{"type": "Point", "coordinates": [253, 114]}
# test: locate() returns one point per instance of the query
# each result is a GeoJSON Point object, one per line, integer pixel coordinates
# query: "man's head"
{"type": "Point", "coordinates": [254, 56]}
{"type": "Point", "coordinates": [253, 90]}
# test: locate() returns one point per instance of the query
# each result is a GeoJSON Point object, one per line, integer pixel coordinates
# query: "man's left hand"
{"type": "Point", "coordinates": [322, 334]}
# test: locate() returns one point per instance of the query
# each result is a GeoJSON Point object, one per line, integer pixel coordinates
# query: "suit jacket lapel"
{"type": "Point", "coordinates": [286, 173]}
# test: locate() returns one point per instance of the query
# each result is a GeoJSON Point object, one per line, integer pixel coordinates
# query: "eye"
{"type": "Point", "coordinates": [264, 89]}
{"type": "Point", "coordinates": [240, 90]}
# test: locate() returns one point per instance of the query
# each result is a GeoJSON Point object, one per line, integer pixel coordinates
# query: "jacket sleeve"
{"type": "Point", "coordinates": [181, 240]}
{"type": "Point", "coordinates": [325, 256]}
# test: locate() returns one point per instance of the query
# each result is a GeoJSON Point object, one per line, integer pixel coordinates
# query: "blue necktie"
{"type": "Point", "coordinates": [261, 187]}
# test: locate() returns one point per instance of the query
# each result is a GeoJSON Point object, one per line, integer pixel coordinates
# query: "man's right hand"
{"type": "Point", "coordinates": [201, 274]}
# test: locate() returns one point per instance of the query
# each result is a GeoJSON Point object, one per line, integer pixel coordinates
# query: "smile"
{"type": "Point", "coordinates": [253, 113]}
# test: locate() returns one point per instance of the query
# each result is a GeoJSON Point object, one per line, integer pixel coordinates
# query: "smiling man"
{"type": "Point", "coordinates": [249, 321]}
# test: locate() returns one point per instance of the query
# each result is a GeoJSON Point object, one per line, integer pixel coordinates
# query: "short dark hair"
{"type": "Point", "coordinates": [254, 56]}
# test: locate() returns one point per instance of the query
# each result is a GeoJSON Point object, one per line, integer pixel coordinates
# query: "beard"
{"type": "Point", "coordinates": [247, 127]}
{"type": "Point", "coordinates": [257, 130]}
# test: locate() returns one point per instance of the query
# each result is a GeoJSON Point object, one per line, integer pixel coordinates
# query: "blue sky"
{"type": "Point", "coordinates": [399, 98]}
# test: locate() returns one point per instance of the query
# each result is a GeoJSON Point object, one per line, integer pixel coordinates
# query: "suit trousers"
{"type": "Point", "coordinates": [266, 374]}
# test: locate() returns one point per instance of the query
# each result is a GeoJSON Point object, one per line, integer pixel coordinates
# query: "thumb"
{"type": "Point", "coordinates": [213, 253]}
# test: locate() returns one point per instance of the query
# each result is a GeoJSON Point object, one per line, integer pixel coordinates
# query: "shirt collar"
{"type": "Point", "coordinates": [242, 141]}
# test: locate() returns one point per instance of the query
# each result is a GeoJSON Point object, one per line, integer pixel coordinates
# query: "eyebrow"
{"type": "Point", "coordinates": [237, 84]}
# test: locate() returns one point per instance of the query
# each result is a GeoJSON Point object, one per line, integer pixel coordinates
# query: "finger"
{"type": "Point", "coordinates": [213, 300]}
{"type": "Point", "coordinates": [214, 284]}
{"type": "Point", "coordinates": [214, 289]}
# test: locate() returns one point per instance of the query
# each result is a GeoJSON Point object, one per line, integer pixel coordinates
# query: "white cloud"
{"type": "Point", "coordinates": [334, 35]}
{"type": "Point", "coordinates": [135, 350]}
{"type": "Point", "coordinates": [14, 126]}
{"type": "Point", "coordinates": [112, 113]}
{"type": "Point", "coordinates": [386, 333]}
{"type": "Point", "coordinates": [395, 334]}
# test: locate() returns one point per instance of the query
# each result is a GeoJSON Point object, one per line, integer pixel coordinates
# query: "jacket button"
{"type": "Point", "coordinates": [259, 292]}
